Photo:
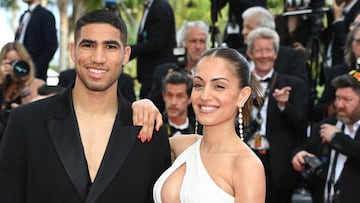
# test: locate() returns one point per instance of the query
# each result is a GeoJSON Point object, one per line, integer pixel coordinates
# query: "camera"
{"type": "Point", "coordinates": [297, 3]}
{"type": "Point", "coordinates": [313, 168]}
{"type": "Point", "coordinates": [20, 68]}
{"type": "Point", "coordinates": [180, 55]}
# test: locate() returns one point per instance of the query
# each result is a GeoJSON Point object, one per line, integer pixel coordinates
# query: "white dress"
{"type": "Point", "coordinates": [197, 186]}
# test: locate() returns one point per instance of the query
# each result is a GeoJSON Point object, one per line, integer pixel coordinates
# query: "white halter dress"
{"type": "Point", "coordinates": [197, 186]}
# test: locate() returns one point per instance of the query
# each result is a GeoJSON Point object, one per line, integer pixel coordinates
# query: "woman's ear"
{"type": "Point", "coordinates": [244, 96]}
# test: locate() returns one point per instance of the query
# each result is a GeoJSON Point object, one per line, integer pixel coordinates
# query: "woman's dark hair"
{"type": "Point", "coordinates": [240, 67]}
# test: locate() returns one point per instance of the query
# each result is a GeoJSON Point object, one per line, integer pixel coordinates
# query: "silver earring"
{"type": "Point", "coordinates": [241, 130]}
{"type": "Point", "coordinates": [196, 126]}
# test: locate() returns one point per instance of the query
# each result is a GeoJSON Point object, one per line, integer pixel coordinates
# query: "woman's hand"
{"type": "Point", "coordinates": [146, 114]}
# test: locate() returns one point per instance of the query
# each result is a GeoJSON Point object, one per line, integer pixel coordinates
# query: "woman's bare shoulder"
{"type": "Point", "coordinates": [248, 169]}
{"type": "Point", "coordinates": [180, 143]}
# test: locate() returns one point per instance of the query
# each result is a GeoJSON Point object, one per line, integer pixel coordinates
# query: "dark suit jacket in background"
{"type": "Point", "coordinates": [337, 32]}
{"type": "Point", "coordinates": [285, 130]}
{"type": "Point", "coordinates": [42, 157]}
{"type": "Point", "coordinates": [155, 43]}
{"type": "Point", "coordinates": [40, 39]}
{"type": "Point", "coordinates": [350, 175]}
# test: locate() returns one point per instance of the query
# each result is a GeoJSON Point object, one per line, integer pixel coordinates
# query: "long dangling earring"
{"type": "Point", "coordinates": [241, 130]}
{"type": "Point", "coordinates": [196, 126]}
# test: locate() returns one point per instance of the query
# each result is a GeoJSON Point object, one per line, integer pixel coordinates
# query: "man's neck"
{"type": "Point", "coordinates": [95, 102]}
{"type": "Point", "coordinates": [181, 120]}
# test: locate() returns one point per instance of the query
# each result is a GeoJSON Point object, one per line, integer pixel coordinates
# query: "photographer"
{"type": "Point", "coordinates": [17, 81]}
{"type": "Point", "coordinates": [336, 143]}
{"type": "Point", "coordinates": [194, 38]}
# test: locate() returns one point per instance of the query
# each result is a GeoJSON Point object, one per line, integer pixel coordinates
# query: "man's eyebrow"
{"type": "Point", "coordinates": [105, 42]}
{"type": "Point", "coordinates": [87, 41]}
{"type": "Point", "coordinates": [112, 42]}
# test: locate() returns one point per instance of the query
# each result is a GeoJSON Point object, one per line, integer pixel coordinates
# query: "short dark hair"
{"type": "Point", "coordinates": [176, 78]}
{"type": "Point", "coordinates": [102, 16]}
{"type": "Point", "coordinates": [346, 80]}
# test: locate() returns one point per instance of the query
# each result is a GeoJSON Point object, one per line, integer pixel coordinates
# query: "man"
{"type": "Point", "coordinates": [280, 121]}
{"type": "Point", "coordinates": [342, 14]}
{"type": "Point", "coordinates": [37, 32]}
{"type": "Point", "coordinates": [336, 141]}
{"type": "Point", "coordinates": [194, 37]}
{"type": "Point", "coordinates": [176, 92]}
{"type": "Point", "coordinates": [288, 61]}
{"type": "Point", "coordinates": [79, 146]}
{"type": "Point", "coordinates": [155, 42]}
{"type": "Point", "coordinates": [232, 33]}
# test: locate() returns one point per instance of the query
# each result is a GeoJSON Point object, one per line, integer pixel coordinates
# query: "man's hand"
{"type": "Point", "coordinates": [282, 95]}
{"type": "Point", "coordinates": [298, 160]}
{"type": "Point", "coordinates": [146, 114]}
{"type": "Point", "coordinates": [327, 131]}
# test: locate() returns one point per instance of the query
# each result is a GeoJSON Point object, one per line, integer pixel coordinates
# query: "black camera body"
{"type": "Point", "coordinates": [313, 168]}
{"type": "Point", "coordinates": [180, 56]}
{"type": "Point", "coordinates": [20, 68]}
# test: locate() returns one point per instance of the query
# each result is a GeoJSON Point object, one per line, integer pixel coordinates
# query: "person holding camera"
{"type": "Point", "coordinates": [335, 142]}
{"type": "Point", "coordinates": [18, 84]}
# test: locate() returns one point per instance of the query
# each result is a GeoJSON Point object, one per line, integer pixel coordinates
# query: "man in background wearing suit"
{"type": "Point", "coordinates": [281, 118]}
{"type": "Point", "coordinates": [155, 42]}
{"type": "Point", "coordinates": [81, 145]}
{"type": "Point", "coordinates": [37, 32]}
{"type": "Point", "coordinates": [336, 142]}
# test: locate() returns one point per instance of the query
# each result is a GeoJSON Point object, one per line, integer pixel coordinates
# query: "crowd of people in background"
{"type": "Point", "coordinates": [294, 119]}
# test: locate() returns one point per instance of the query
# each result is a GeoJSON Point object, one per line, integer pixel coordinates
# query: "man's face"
{"type": "Point", "coordinates": [176, 100]}
{"type": "Point", "coordinates": [263, 55]}
{"type": "Point", "coordinates": [249, 24]}
{"type": "Point", "coordinates": [195, 43]}
{"type": "Point", "coordinates": [347, 105]}
{"type": "Point", "coordinates": [98, 55]}
{"type": "Point", "coordinates": [355, 44]}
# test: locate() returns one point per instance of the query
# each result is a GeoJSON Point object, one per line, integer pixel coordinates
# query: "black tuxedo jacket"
{"type": "Point", "coordinates": [42, 157]}
{"type": "Point", "coordinates": [285, 130]}
{"type": "Point", "coordinates": [155, 43]}
{"type": "Point", "coordinates": [350, 176]}
{"type": "Point", "coordinates": [40, 39]}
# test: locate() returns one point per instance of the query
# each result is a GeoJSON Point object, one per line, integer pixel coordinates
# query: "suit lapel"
{"type": "Point", "coordinates": [123, 137]}
{"type": "Point", "coordinates": [65, 135]}
{"type": "Point", "coordinates": [120, 143]}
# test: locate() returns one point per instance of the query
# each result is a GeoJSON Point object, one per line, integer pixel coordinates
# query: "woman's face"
{"type": "Point", "coordinates": [356, 44]}
{"type": "Point", "coordinates": [216, 91]}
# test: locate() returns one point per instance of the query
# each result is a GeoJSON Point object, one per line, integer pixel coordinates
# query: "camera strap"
{"type": "Point", "coordinates": [331, 182]}
{"type": "Point", "coordinates": [268, 90]}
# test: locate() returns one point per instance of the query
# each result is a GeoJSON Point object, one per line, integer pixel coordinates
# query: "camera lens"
{"type": "Point", "coordinates": [20, 68]}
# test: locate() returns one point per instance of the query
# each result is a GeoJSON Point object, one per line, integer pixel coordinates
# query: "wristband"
{"type": "Point", "coordinates": [25, 92]}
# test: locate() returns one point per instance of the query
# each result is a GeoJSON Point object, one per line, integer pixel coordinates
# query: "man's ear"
{"type": "Point", "coordinates": [249, 54]}
{"type": "Point", "coordinates": [127, 52]}
{"type": "Point", "coordinates": [72, 51]}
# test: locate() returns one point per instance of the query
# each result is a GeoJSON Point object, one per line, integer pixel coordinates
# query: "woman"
{"type": "Point", "coordinates": [16, 89]}
{"type": "Point", "coordinates": [219, 166]}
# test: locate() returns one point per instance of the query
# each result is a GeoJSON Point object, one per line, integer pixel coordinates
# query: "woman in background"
{"type": "Point", "coordinates": [19, 85]}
